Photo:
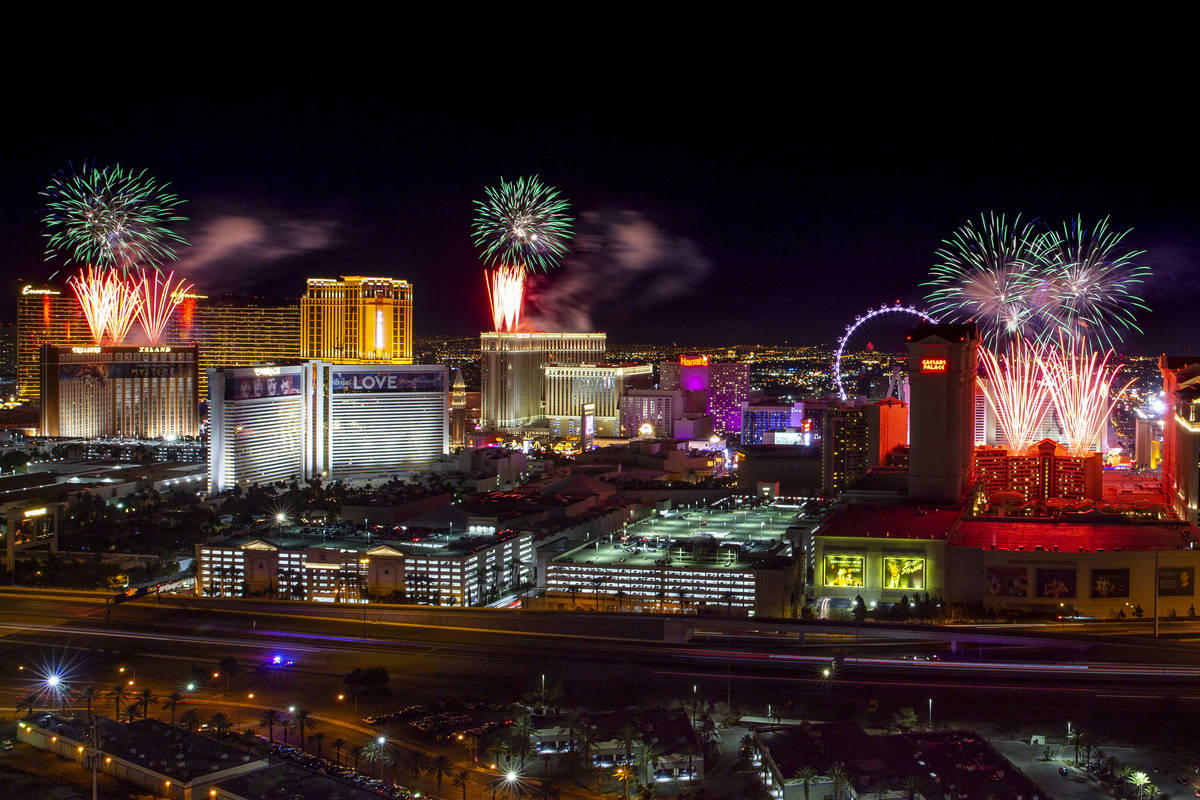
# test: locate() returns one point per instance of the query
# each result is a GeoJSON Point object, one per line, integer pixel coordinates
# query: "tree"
{"type": "Point", "coordinates": [338, 744]}
{"type": "Point", "coordinates": [219, 722]}
{"type": "Point", "coordinates": [806, 775]}
{"type": "Point", "coordinates": [860, 609]}
{"type": "Point", "coordinates": [173, 701]}
{"type": "Point", "coordinates": [302, 719]}
{"type": "Point", "coordinates": [190, 720]}
{"type": "Point", "coordinates": [145, 698]}
{"type": "Point", "coordinates": [841, 781]}
{"type": "Point", "coordinates": [547, 790]}
{"type": "Point", "coordinates": [646, 759]}
{"type": "Point", "coordinates": [229, 667]}
{"type": "Point", "coordinates": [375, 753]}
{"type": "Point", "coordinates": [131, 712]}
{"type": "Point", "coordinates": [418, 762]}
{"type": "Point", "coordinates": [440, 767]}
{"type": "Point", "coordinates": [269, 719]}
{"type": "Point", "coordinates": [88, 694]}
{"type": "Point", "coordinates": [1139, 780]}
{"type": "Point", "coordinates": [628, 734]}
{"type": "Point", "coordinates": [26, 702]}
{"type": "Point", "coordinates": [461, 779]}
{"type": "Point", "coordinates": [118, 694]}
{"type": "Point", "coordinates": [912, 785]}
{"type": "Point", "coordinates": [319, 738]}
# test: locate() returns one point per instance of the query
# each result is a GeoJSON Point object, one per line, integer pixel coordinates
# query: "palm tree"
{"type": "Point", "coordinates": [628, 733]}
{"type": "Point", "coordinates": [190, 720]}
{"type": "Point", "coordinates": [522, 731]}
{"type": "Point", "coordinates": [88, 694]}
{"type": "Point", "coordinates": [145, 698]}
{"type": "Point", "coordinates": [646, 758]}
{"type": "Point", "coordinates": [118, 694]}
{"type": "Point", "coordinates": [229, 667]}
{"type": "Point", "coordinates": [418, 762]}
{"type": "Point", "coordinates": [375, 753]}
{"type": "Point", "coordinates": [28, 701]}
{"type": "Point", "coordinates": [219, 722]}
{"type": "Point", "coordinates": [461, 779]}
{"type": "Point", "coordinates": [1139, 780]}
{"type": "Point", "coordinates": [338, 744]}
{"type": "Point", "coordinates": [912, 785]}
{"type": "Point", "coordinates": [806, 775]}
{"type": "Point", "coordinates": [1151, 791]}
{"type": "Point", "coordinates": [302, 718]}
{"type": "Point", "coordinates": [131, 712]}
{"type": "Point", "coordinates": [269, 719]}
{"type": "Point", "coordinates": [173, 701]}
{"type": "Point", "coordinates": [439, 767]}
{"type": "Point", "coordinates": [319, 738]}
{"type": "Point", "coordinates": [840, 780]}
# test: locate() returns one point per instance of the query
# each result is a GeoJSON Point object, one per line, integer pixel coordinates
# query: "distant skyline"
{"type": "Point", "coordinates": [740, 226]}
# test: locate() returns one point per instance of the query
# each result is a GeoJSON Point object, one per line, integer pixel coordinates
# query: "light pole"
{"type": "Point", "coordinates": [931, 713]}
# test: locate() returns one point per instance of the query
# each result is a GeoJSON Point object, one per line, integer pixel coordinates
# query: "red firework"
{"type": "Point", "coordinates": [506, 293]}
{"type": "Point", "coordinates": [158, 298]}
{"type": "Point", "coordinates": [108, 304]}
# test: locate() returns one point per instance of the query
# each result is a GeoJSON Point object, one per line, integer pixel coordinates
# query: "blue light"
{"type": "Point", "coordinates": [277, 660]}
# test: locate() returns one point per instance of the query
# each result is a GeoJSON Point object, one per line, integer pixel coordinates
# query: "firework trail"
{"type": "Point", "coordinates": [111, 218]}
{"type": "Point", "coordinates": [1081, 387]}
{"type": "Point", "coordinates": [124, 305]}
{"type": "Point", "coordinates": [1016, 390]}
{"type": "Point", "coordinates": [523, 223]}
{"type": "Point", "coordinates": [159, 298]}
{"type": "Point", "coordinates": [90, 288]}
{"type": "Point", "coordinates": [506, 290]}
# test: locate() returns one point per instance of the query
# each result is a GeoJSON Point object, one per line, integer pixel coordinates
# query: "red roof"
{"type": "Point", "coordinates": [891, 522]}
{"type": "Point", "coordinates": [1067, 536]}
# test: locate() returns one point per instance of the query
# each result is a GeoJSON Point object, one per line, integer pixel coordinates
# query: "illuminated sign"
{"type": "Point", "coordinates": [806, 425]}
{"type": "Point", "coordinates": [380, 381]}
{"type": "Point", "coordinates": [35, 512]}
{"type": "Point", "coordinates": [81, 350]}
{"type": "Point", "coordinates": [266, 371]}
{"type": "Point", "coordinates": [933, 365]}
{"type": "Point", "coordinates": [693, 361]}
{"type": "Point", "coordinates": [32, 290]}
{"type": "Point", "coordinates": [189, 296]}
{"type": "Point", "coordinates": [843, 570]}
{"type": "Point", "coordinates": [154, 349]}
{"type": "Point", "coordinates": [903, 572]}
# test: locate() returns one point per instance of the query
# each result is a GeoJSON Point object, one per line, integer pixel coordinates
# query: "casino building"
{"type": "Point", "coordinates": [357, 320]}
{"type": "Point", "coordinates": [146, 392]}
{"type": "Point", "coordinates": [512, 373]}
{"type": "Point", "coordinates": [282, 423]}
{"type": "Point", "coordinates": [718, 388]}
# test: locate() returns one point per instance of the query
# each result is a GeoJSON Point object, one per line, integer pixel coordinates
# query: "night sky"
{"type": "Point", "coordinates": [751, 220]}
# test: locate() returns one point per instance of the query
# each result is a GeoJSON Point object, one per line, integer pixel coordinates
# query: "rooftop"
{"type": "Point", "coordinates": [894, 522]}
{"type": "Point", "coordinates": [288, 781]}
{"type": "Point", "coordinates": [1068, 536]}
{"type": "Point", "coordinates": [413, 540]}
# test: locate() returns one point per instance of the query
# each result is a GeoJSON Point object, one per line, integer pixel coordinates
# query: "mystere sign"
{"type": "Point", "coordinates": [381, 381]}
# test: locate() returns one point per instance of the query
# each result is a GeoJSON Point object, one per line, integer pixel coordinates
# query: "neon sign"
{"type": "Point", "coordinates": [154, 349]}
{"type": "Point", "coordinates": [693, 361]}
{"type": "Point", "coordinates": [933, 365]}
{"type": "Point", "coordinates": [82, 350]}
{"type": "Point", "coordinates": [31, 290]}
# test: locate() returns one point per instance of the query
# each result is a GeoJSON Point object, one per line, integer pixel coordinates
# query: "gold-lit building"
{"type": "Point", "coordinates": [357, 320]}
{"type": "Point", "coordinates": [134, 392]}
{"type": "Point", "coordinates": [226, 333]}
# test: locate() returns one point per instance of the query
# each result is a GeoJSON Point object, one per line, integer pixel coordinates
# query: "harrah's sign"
{"type": "Point", "coordinates": [693, 361]}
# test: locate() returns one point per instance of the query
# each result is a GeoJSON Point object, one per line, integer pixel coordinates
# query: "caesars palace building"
{"type": "Point", "coordinates": [297, 422]}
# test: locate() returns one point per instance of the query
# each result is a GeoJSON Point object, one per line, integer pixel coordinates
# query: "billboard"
{"type": "Point", "coordinates": [1110, 583]}
{"type": "Point", "coordinates": [843, 570]}
{"type": "Point", "coordinates": [1056, 583]}
{"type": "Point", "coordinates": [101, 373]}
{"type": "Point", "coordinates": [903, 572]}
{"type": "Point", "coordinates": [388, 382]}
{"type": "Point", "coordinates": [587, 426]}
{"type": "Point", "coordinates": [1008, 581]}
{"type": "Point", "coordinates": [252, 387]}
{"type": "Point", "coordinates": [1176, 581]}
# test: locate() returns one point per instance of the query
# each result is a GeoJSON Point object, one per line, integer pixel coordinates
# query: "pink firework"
{"type": "Point", "coordinates": [1016, 391]}
{"type": "Point", "coordinates": [159, 297]}
{"type": "Point", "coordinates": [90, 289]}
{"type": "Point", "coordinates": [506, 293]}
{"type": "Point", "coordinates": [124, 304]}
{"type": "Point", "coordinates": [1081, 384]}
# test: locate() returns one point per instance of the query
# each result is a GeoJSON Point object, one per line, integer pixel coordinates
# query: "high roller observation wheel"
{"type": "Point", "coordinates": [859, 320]}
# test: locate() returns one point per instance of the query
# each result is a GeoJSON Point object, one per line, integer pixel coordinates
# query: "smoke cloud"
{"type": "Point", "coordinates": [229, 246]}
{"type": "Point", "coordinates": [618, 259]}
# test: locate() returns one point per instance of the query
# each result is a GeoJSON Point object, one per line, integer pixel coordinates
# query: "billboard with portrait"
{"type": "Point", "coordinates": [1110, 583]}
{"type": "Point", "coordinates": [253, 387]}
{"type": "Point", "coordinates": [843, 570]}
{"type": "Point", "coordinates": [1056, 583]}
{"type": "Point", "coordinates": [903, 572]}
{"type": "Point", "coordinates": [383, 381]}
{"type": "Point", "coordinates": [1176, 581]}
{"type": "Point", "coordinates": [1008, 581]}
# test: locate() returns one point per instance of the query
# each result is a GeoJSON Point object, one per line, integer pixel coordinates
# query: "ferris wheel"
{"type": "Point", "coordinates": [858, 322]}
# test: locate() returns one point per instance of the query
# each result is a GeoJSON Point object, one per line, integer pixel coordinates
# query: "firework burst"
{"type": "Point", "coordinates": [1081, 384]}
{"type": "Point", "coordinates": [109, 304]}
{"type": "Point", "coordinates": [522, 223]}
{"type": "Point", "coordinates": [506, 292]}
{"type": "Point", "coordinates": [111, 218]}
{"type": "Point", "coordinates": [1016, 391]}
{"type": "Point", "coordinates": [159, 298]}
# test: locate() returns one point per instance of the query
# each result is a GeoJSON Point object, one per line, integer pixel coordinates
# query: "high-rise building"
{"type": "Point", "coordinates": [1181, 434]}
{"type": "Point", "coordinates": [512, 373]}
{"type": "Point", "coordinates": [942, 362]}
{"type": "Point", "coordinates": [717, 388]}
{"type": "Point", "coordinates": [570, 386]}
{"type": "Point", "coordinates": [8, 352]}
{"type": "Point", "coordinates": [226, 332]}
{"type": "Point", "coordinates": [1045, 471]}
{"type": "Point", "coordinates": [357, 320]}
{"type": "Point", "coordinates": [650, 412]}
{"type": "Point", "coordinates": [135, 392]}
{"type": "Point", "coordinates": [458, 410]}
{"type": "Point", "coordinates": [858, 436]}
{"type": "Point", "coordinates": [282, 423]}
{"type": "Point", "coordinates": [768, 415]}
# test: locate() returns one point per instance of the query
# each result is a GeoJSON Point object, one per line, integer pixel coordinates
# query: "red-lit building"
{"type": "Point", "coordinates": [1044, 471]}
{"type": "Point", "coordinates": [1181, 434]}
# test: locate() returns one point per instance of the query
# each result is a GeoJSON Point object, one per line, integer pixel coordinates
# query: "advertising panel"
{"type": "Point", "coordinates": [1110, 583]}
{"type": "Point", "coordinates": [384, 381]}
{"type": "Point", "coordinates": [903, 572]}
{"type": "Point", "coordinates": [843, 570]}
{"type": "Point", "coordinates": [1008, 581]}
{"type": "Point", "coordinates": [1056, 583]}
{"type": "Point", "coordinates": [1176, 581]}
{"type": "Point", "coordinates": [252, 387]}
